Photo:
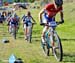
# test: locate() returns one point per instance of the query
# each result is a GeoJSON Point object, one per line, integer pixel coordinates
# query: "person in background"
{"type": "Point", "coordinates": [27, 22]}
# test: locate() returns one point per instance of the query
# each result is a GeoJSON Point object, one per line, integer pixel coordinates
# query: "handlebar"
{"type": "Point", "coordinates": [57, 23]}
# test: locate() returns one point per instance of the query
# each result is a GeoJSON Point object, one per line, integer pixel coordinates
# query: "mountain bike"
{"type": "Point", "coordinates": [29, 35]}
{"type": "Point", "coordinates": [53, 41]}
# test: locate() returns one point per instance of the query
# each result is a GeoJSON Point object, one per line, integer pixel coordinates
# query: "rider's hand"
{"type": "Point", "coordinates": [41, 23]}
{"type": "Point", "coordinates": [62, 22]}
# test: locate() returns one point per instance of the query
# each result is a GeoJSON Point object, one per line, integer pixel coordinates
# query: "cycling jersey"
{"type": "Point", "coordinates": [14, 21]}
{"type": "Point", "coordinates": [27, 20]}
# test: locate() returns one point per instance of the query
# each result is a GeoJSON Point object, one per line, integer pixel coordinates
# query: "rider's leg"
{"type": "Point", "coordinates": [25, 31]}
{"type": "Point", "coordinates": [44, 29]}
{"type": "Point", "coordinates": [51, 38]}
{"type": "Point", "coordinates": [10, 28]}
{"type": "Point", "coordinates": [16, 28]}
{"type": "Point", "coordinates": [29, 29]}
{"type": "Point", "coordinates": [43, 33]}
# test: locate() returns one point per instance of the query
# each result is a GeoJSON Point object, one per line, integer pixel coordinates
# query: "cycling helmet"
{"type": "Point", "coordinates": [28, 13]}
{"type": "Point", "coordinates": [59, 2]}
{"type": "Point", "coordinates": [14, 15]}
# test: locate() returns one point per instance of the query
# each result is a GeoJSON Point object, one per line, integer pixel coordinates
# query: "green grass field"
{"type": "Point", "coordinates": [33, 53]}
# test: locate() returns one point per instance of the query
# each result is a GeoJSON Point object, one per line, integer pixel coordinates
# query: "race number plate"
{"type": "Point", "coordinates": [53, 23]}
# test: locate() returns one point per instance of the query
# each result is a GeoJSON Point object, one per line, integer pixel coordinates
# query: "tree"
{"type": "Point", "coordinates": [25, 0]}
{"type": "Point", "coordinates": [31, 1]}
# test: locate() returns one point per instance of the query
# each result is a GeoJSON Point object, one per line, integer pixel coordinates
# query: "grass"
{"type": "Point", "coordinates": [33, 53]}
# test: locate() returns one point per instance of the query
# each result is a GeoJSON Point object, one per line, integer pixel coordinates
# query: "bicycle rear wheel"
{"type": "Point", "coordinates": [57, 50]}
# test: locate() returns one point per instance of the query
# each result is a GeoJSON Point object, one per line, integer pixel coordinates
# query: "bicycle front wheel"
{"type": "Point", "coordinates": [57, 50]}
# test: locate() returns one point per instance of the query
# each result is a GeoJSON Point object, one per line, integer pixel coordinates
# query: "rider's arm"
{"type": "Point", "coordinates": [40, 14]}
{"type": "Point", "coordinates": [61, 16]}
{"type": "Point", "coordinates": [33, 19]}
{"type": "Point", "coordinates": [23, 16]}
